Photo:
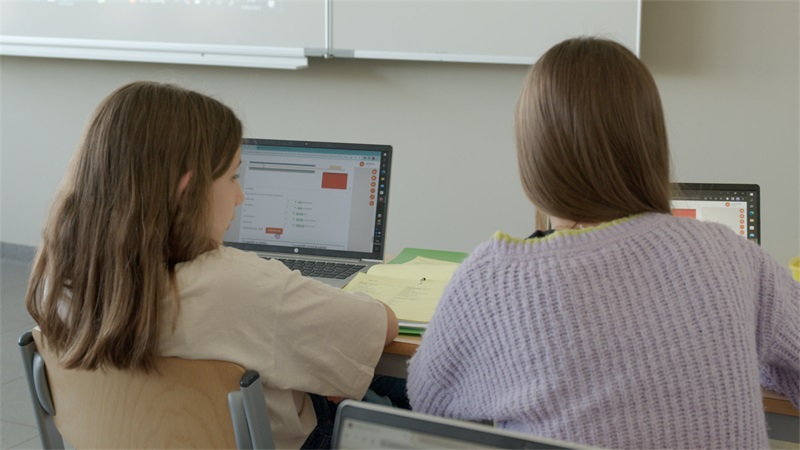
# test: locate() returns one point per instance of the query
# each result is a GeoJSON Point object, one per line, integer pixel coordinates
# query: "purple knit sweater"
{"type": "Point", "coordinates": [647, 332]}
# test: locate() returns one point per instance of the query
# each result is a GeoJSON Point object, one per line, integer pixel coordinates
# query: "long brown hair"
{"type": "Point", "coordinates": [591, 139]}
{"type": "Point", "coordinates": [118, 225]}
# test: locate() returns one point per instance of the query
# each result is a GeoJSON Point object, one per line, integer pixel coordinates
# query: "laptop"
{"type": "Point", "coordinates": [318, 207]}
{"type": "Point", "coordinates": [737, 206]}
{"type": "Point", "coordinates": [361, 425]}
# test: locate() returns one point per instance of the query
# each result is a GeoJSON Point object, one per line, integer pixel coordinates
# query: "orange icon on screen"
{"type": "Point", "coordinates": [741, 210]}
{"type": "Point", "coordinates": [373, 184]}
{"type": "Point", "coordinates": [374, 178]}
{"type": "Point", "coordinates": [371, 203]}
{"type": "Point", "coordinates": [742, 222]}
{"type": "Point", "coordinates": [372, 197]}
{"type": "Point", "coordinates": [374, 171]}
{"type": "Point", "coordinates": [361, 164]}
{"type": "Point", "coordinates": [741, 232]}
{"type": "Point", "coordinates": [727, 204]}
{"type": "Point", "coordinates": [372, 190]}
{"type": "Point", "coordinates": [741, 216]}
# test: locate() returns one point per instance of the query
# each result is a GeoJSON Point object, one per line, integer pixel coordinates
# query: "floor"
{"type": "Point", "coordinates": [17, 423]}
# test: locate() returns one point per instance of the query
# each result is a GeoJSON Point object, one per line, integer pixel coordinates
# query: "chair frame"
{"type": "Point", "coordinates": [247, 405]}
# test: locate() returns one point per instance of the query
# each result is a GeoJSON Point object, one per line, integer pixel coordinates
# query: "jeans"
{"type": "Point", "coordinates": [389, 391]}
{"type": "Point", "coordinates": [383, 390]}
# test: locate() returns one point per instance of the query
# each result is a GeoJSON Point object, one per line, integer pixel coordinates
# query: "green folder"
{"type": "Point", "coordinates": [410, 253]}
{"type": "Point", "coordinates": [411, 331]}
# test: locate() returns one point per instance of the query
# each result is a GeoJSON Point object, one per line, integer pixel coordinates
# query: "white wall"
{"type": "Point", "coordinates": [730, 81]}
{"type": "Point", "coordinates": [728, 72]}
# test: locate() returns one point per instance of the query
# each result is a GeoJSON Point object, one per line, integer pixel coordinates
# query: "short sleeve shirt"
{"type": "Point", "coordinates": [301, 335]}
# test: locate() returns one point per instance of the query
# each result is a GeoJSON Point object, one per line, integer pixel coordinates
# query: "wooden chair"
{"type": "Point", "coordinates": [182, 404]}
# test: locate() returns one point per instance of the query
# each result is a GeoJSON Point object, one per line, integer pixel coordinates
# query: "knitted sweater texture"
{"type": "Point", "coordinates": [647, 332]}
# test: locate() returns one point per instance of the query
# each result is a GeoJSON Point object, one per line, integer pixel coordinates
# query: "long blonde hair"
{"type": "Point", "coordinates": [118, 225]}
{"type": "Point", "coordinates": [591, 139]}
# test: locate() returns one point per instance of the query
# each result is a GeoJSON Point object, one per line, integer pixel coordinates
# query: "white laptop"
{"type": "Point", "coordinates": [361, 425]}
{"type": "Point", "coordinates": [319, 207]}
{"type": "Point", "coordinates": [737, 206]}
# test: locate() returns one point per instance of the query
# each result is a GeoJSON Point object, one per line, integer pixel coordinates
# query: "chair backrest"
{"type": "Point", "coordinates": [182, 404]}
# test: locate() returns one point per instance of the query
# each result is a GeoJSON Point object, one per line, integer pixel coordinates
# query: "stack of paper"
{"type": "Point", "coordinates": [412, 289]}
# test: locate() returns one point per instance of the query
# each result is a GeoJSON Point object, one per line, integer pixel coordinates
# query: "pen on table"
{"type": "Point", "coordinates": [421, 280]}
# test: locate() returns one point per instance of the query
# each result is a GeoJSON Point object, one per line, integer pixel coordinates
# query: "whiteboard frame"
{"type": "Point", "coordinates": [155, 52]}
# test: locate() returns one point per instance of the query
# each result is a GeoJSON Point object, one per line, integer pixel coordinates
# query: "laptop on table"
{"type": "Point", "coordinates": [737, 206]}
{"type": "Point", "coordinates": [318, 207]}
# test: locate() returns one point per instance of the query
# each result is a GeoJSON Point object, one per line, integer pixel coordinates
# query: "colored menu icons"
{"type": "Point", "coordinates": [742, 222]}
{"type": "Point", "coordinates": [377, 198]}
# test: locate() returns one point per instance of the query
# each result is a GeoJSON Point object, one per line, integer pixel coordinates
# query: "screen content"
{"type": "Point", "coordinates": [362, 435]}
{"type": "Point", "coordinates": [737, 210]}
{"type": "Point", "coordinates": [310, 198]}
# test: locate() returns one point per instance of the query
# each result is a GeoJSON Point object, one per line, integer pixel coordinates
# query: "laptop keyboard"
{"type": "Point", "coordinates": [321, 269]}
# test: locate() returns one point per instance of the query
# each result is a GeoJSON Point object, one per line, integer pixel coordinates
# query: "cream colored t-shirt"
{"type": "Point", "coordinates": [299, 334]}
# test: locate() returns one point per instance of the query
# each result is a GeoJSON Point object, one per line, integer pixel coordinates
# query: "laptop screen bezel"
{"type": "Point", "coordinates": [382, 207]}
{"type": "Point", "coordinates": [680, 189]}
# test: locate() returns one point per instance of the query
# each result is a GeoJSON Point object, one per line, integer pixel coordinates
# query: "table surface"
{"type": "Point", "coordinates": [403, 345]}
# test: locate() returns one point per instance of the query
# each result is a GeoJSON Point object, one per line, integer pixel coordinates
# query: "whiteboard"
{"type": "Point", "coordinates": [134, 29]}
{"type": "Point", "coordinates": [510, 31]}
{"type": "Point", "coordinates": [281, 33]}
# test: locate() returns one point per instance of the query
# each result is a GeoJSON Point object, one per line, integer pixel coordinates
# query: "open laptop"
{"type": "Point", "coordinates": [737, 206]}
{"type": "Point", "coordinates": [319, 207]}
{"type": "Point", "coordinates": [361, 425]}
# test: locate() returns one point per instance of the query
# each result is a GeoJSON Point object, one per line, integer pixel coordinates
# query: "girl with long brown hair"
{"type": "Point", "coordinates": [132, 265]}
{"type": "Point", "coordinates": [621, 326]}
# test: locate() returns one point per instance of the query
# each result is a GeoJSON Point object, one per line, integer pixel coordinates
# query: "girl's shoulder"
{"type": "Point", "coordinates": [231, 261]}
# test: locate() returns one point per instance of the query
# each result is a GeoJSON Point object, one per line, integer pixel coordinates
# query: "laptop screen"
{"type": "Point", "coordinates": [361, 425]}
{"type": "Point", "coordinates": [312, 198]}
{"type": "Point", "coordinates": [734, 205]}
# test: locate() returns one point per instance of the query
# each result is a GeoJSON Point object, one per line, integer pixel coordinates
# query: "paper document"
{"type": "Point", "coordinates": [411, 289]}
{"type": "Point", "coordinates": [417, 269]}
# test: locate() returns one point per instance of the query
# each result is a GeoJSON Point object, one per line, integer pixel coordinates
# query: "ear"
{"type": "Point", "coordinates": [183, 183]}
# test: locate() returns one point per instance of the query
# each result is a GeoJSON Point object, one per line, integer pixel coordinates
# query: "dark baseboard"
{"type": "Point", "coordinates": [17, 252]}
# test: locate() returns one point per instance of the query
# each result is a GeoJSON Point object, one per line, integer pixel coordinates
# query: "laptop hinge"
{"type": "Point", "coordinates": [309, 257]}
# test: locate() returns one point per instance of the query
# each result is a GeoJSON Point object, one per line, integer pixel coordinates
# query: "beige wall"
{"type": "Point", "coordinates": [728, 72]}
{"type": "Point", "coordinates": [729, 77]}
